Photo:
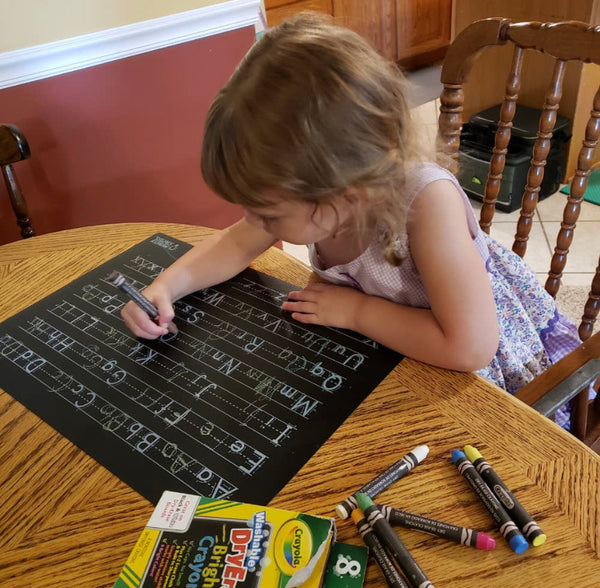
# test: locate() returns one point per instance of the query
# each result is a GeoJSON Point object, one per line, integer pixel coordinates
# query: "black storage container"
{"type": "Point", "coordinates": [476, 144]}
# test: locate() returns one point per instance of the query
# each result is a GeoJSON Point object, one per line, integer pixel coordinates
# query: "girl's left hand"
{"type": "Point", "coordinates": [325, 304]}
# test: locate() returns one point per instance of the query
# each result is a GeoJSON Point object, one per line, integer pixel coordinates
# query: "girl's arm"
{"type": "Point", "coordinates": [460, 331]}
{"type": "Point", "coordinates": [216, 259]}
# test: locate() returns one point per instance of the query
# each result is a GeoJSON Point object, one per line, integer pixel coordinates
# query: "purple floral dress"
{"type": "Point", "coordinates": [533, 334]}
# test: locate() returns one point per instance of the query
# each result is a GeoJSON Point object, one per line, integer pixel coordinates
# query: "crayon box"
{"type": "Point", "coordinates": [196, 542]}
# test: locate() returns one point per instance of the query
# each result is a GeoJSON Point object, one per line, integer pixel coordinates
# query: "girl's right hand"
{"type": "Point", "coordinates": [138, 321]}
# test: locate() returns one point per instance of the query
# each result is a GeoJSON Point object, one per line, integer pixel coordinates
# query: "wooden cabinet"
{"type": "Point", "coordinates": [374, 20]}
{"type": "Point", "coordinates": [423, 29]}
{"type": "Point", "coordinates": [279, 10]}
{"type": "Point", "coordinates": [411, 32]}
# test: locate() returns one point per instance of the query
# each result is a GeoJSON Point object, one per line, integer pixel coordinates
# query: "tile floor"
{"type": "Point", "coordinates": [583, 255]}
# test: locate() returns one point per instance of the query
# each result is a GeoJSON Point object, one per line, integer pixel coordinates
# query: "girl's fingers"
{"type": "Point", "coordinates": [145, 331]}
{"type": "Point", "coordinates": [166, 313]}
{"type": "Point", "coordinates": [308, 319]}
{"type": "Point", "coordinates": [172, 328]}
{"type": "Point", "coordinates": [306, 295]}
{"type": "Point", "coordinates": [140, 324]}
{"type": "Point", "coordinates": [301, 306]}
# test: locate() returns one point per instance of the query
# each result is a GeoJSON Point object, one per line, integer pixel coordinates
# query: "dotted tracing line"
{"type": "Point", "coordinates": [184, 339]}
{"type": "Point", "coordinates": [125, 385]}
{"type": "Point", "coordinates": [275, 433]}
{"type": "Point", "coordinates": [151, 270]}
{"type": "Point", "coordinates": [187, 467]}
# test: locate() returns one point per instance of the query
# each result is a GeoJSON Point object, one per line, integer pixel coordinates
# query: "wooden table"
{"type": "Point", "coordinates": [66, 521]}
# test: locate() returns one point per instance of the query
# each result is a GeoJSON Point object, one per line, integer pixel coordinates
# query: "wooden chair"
{"type": "Point", "coordinates": [13, 148]}
{"type": "Point", "coordinates": [564, 42]}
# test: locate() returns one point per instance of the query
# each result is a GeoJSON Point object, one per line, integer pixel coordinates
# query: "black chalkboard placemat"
{"type": "Point", "coordinates": [230, 407]}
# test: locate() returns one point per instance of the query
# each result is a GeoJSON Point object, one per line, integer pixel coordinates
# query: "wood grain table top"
{"type": "Point", "coordinates": [66, 521]}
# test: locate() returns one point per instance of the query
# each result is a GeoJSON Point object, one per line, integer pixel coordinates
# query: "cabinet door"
{"type": "Point", "coordinates": [423, 27]}
{"type": "Point", "coordinates": [375, 20]}
{"type": "Point", "coordinates": [279, 10]}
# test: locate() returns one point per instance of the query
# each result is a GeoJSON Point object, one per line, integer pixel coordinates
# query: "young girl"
{"type": "Point", "coordinates": [312, 136]}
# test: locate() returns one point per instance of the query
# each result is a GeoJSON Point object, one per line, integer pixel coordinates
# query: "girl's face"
{"type": "Point", "coordinates": [300, 222]}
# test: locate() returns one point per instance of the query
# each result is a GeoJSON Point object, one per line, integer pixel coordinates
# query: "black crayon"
{"type": "Point", "coordinates": [392, 576]}
{"type": "Point", "coordinates": [118, 280]}
{"type": "Point", "coordinates": [506, 525]}
{"type": "Point", "coordinates": [461, 535]}
{"type": "Point", "coordinates": [392, 543]}
{"type": "Point", "coordinates": [513, 507]}
{"type": "Point", "coordinates": [378, 484]}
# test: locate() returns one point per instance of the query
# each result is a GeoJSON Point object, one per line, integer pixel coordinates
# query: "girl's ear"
{"type": "Point", "coordinates": [354, 196]}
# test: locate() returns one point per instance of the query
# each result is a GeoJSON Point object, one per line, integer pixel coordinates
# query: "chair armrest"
{"type": "Point", "coordinates": [568, 388]}
{"type": "Point", "coordinates": [564, 379]}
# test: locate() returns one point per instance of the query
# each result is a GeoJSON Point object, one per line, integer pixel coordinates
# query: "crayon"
{"type": "Point", "coordinates": [118, 280]}
{"type": "Point", "coordinates": [382, 481]}
{"type": "Point", "coordinates": [392, 543]}
{"type": "Point", "coordinates": [461, 535]}
{"type": "Point", "coordinates": [507, 527]}
{"type": "Point", "coordinates": [513, 507]}
{"type": "Point", "coordinates": [386, 565]}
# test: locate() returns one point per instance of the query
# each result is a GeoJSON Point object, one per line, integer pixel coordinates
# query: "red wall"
{"type": "Point", "coordinates": [121, 141]}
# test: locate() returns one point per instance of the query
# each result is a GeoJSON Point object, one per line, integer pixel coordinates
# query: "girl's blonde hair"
{"type": "Point", "coordinates": [313, 110]}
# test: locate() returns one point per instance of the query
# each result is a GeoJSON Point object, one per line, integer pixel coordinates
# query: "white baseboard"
{"type": "Point", "coordinates": [51, 59]}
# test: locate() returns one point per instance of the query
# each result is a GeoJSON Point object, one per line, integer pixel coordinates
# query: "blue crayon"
{"type": "Point", "coordinates": [513, 507]}
{"type": "Point", "coordinates": [507, 527]}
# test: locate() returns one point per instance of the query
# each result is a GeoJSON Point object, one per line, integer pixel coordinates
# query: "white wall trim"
{"type": "Point", "coordinates": [51, 59]}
